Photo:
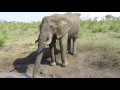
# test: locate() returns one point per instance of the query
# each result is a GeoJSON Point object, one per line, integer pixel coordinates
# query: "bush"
{"type": "Point", "coordinates": [3, 39]}
{"type": "Point", "coordinates": [101, 28]}
{"type": "Point", "coordinates": [1, 43]}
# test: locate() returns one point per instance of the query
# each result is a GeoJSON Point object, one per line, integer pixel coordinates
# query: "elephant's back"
{"type": "Point", "coordinates": [72, 16]}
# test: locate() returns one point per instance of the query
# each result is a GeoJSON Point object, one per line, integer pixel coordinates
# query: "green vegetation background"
{"type": "Point", "coordinates": [103, 34]}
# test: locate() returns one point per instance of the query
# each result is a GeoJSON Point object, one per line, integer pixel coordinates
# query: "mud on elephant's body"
{"type": "Point", "coordinates": [64, 27]}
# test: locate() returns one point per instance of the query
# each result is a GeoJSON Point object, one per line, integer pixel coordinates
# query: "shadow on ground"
{"type": "Point", "coordinates": [21, 64]}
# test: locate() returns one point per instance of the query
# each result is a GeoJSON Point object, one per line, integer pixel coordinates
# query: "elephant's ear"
{"type": "Point", "coordinates": [64, 25]}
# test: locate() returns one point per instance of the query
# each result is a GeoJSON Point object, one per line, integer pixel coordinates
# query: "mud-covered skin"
{"type": "Point", "coordinates": [64, 27]}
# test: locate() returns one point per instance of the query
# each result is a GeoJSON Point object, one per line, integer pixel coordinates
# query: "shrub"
{"type": "Point", "coordinates": [101, 28]}
{"type": "Point", "coordinates": [1, 42]}
{"type": "Point", "coordinates": [3, 39]}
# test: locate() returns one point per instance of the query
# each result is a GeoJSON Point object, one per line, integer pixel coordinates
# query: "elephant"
{"type": "Point", "coordinates": [64, 27]}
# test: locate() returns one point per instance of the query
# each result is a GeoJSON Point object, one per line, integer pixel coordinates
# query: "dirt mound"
{"type": "Point", "coordinates": [94, 63]}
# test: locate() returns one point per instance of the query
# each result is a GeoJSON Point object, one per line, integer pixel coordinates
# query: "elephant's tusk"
{"type": "Point", "coordinates": [48, 42]}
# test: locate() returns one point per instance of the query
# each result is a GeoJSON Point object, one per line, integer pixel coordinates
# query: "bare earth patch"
{"type": "Point", "coordinates": [94, 63]}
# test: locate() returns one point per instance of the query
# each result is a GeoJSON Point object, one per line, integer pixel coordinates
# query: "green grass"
{"type": "Point", "coordinates": [103, 34]}
{"type": "Point", "coordinates": [12, 34]}
{"type": "Point", "coordinates": [107, 41]}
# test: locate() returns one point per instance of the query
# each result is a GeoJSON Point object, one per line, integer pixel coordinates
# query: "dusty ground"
{"type": "Point", "coordinates": [94, 63]}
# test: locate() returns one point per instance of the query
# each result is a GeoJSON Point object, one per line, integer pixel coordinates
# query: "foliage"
{"type": "Point", "coordinates": [10, 31]}
{"type": "Point", "coordinates": [13, 33]}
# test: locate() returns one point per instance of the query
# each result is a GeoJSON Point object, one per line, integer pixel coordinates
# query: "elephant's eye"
{"type": "Point", "coordinates": [51, 27]}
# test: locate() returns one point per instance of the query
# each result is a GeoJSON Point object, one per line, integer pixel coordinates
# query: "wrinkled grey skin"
{"type": "Point", "coordinates": [64, 27]}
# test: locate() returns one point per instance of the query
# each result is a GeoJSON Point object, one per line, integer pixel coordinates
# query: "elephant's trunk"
{"type": "Point", "coordinates": [42, 38]}
{"type": "Point", "coordinates": [38, 58]}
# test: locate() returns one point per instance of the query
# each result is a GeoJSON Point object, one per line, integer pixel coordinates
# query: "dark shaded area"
{"type": "Point", "coordinates": [21, 64]}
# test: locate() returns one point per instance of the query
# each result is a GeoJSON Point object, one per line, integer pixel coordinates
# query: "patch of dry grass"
{"type": "Point", "coordinates": [107, 41]}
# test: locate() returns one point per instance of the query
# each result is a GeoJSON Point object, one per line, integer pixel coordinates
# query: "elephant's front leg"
{"type": "Point", "coordinates": [63, 47]}
{"type": "Point", "coordinates": [52, 51]}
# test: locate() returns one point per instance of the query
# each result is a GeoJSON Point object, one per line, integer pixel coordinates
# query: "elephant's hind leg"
{"type": "Point", "coordinates": [69, 46]}
{"type": "Point", "coordinates": [74, 46]}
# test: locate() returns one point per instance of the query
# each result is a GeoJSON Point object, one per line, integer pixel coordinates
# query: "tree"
{"type": "Point", "coordinates": [109, 17]}
{"type": "Point", "coordinates": [95, 18]}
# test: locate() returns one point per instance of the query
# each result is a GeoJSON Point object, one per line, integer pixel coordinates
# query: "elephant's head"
{"type": "Point", "coordinates": [57, 25]}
